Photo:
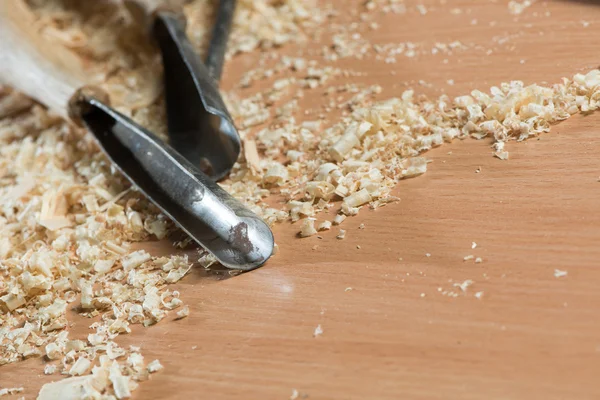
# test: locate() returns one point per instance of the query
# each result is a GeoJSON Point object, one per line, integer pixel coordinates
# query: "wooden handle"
{"type": "Point", "coordinates": [35, 66]}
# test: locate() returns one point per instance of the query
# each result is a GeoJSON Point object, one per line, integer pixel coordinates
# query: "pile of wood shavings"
{"type": "Point", "coordinates": [67, 220]}
{"type": "Point", "coordinates": [360, 159]}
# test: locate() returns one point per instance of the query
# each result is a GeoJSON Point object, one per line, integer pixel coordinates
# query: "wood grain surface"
{"type": "Point", "coordinates": [389, 332]}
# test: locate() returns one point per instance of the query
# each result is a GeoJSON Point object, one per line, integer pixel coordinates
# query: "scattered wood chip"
{"type": "Point", "coordinates": [251, 155]}
{"type": "Point", "coordinates": [503, 155]}
{"type": "Point", "coordinates": [66, 389]}
{"type": "Point", "coordinates": [338, 219]}
{"type": "Point", "coordinates": [49, 369]}
{"type": "Point", "coordinates": [183, 313]}
{"type": "Point", "coordinates": [318, 331]}
{"type": "Point", "coordinates": [559, 273]}
{"type": "Point", "coordinates": [54, 209]}
{"type": "Point", "coordinates": [80, 366]}
{"type": "Point", "coordinates": [463, 286]}
{"type": "Point", "coordinates": [154, 366]}
{"type": "Point", "coordinates": [308, 228]}
{"type": "Point", "coordinates": [325, 226]}
{"type": "Point", "coordinates": [10, 391]}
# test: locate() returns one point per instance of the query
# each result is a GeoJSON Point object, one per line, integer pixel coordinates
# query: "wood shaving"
{"type": "Point", "coordinates": [119, 382]}
{"type": "Point", "coordinates": [67, 389]}
{"type": "Point", "coordinates": [53, 211]}
{"type": "Point", "coordinates": [183, 313]}
{"type": "Point", "coordinates": [464, 285]}
{"type": "Point", "coordinates": [308, 228]}
{"type": "Point", "coordinates": [325, 226]}
{"type": "Point", "coordinates": [80, 366]}
{"type": "Point", "coordinates": [10, 391]}
{"type": "Point", "coordinates": [295, 395]}
{"type": "Point", "coordinates": [49, 369]}
{"type": "Point", "coordinates": [517, 7]}
{"type": "Point", "coordinates": [560, 274]}
{"type": "Point", "coordinates": [318, 331]}
{"type": "Point", "coordinates": [503, 155]}
{"type": "Point", "coordinates": [154, 366]}
{"type": "Point", "coordinates": [251, 155]}
{"type": "Point", "coordinates": [338, 219]}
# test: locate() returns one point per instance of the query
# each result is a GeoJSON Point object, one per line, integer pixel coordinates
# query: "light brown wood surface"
{"type": "Point", "coordinates": [394, 335]}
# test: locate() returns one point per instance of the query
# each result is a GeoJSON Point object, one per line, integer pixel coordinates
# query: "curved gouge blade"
{"type": "Point", "coordinates": [237, 237]}
{"type": "Point", "coordinates": [219, 38]}
{"type": "Point", "coordinates": [200, 127]}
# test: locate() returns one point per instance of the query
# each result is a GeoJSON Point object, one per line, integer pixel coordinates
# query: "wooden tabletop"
{"type": "Point", "coordinates": [395, 325]}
